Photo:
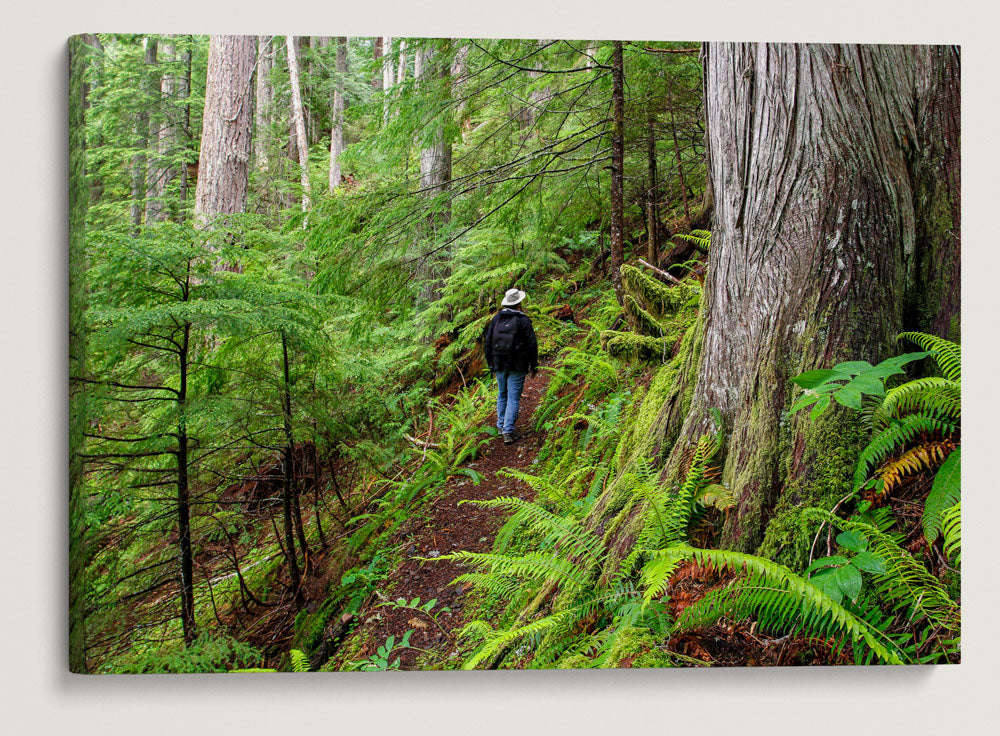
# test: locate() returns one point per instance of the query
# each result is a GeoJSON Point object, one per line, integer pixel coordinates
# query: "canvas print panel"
{"type": "Point", "coordinates": [409, 353]}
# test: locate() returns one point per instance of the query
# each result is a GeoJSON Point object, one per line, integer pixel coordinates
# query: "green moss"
{"type": "Point", "coordinates": [820, 469]}
{"type": "Point", "coordinates": [639, 643]}
{"type": "Point", "coordinates": [657, 297]}
{"type": "Point", "coordinates": [631, 346]}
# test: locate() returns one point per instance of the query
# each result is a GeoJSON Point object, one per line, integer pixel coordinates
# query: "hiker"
{"type": "Point", "coordinates": [511, 353]}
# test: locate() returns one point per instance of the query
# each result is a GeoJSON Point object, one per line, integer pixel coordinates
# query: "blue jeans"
{"type": "Point", "coordinates": [509, 384]}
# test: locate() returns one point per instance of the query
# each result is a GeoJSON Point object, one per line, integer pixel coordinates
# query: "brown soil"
{"type": "Point", "coordinates": [449, 527]}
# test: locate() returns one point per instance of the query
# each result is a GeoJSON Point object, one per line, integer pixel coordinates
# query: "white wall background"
{"type": "Point", "coordinates": [39, 696]}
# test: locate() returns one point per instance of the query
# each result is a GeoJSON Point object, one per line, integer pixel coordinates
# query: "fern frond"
{"type": "Point", "coordinates": [906, 584]}
{"type": "Point", "coordinates": [945, 493]}
{"type": "Point", "coordinates": [778, 594]}
{"type": "Point", "coordinates": [899, 434]}
{"type": "Point", "coordinates": [298, 661]}
{"type": "Point", "coordinates": [916, 460]}
{"type": "Point", "coordinates": [538, 566]}
{"type": "Point", "coordinates": [935, 396]}
{"type": "Point", "coordinates": [951, 527]}
{"type": "Point", "coordinates": [567, 534]}
{"type": "Point", "coordinates": [948, 355]}
{"type": "Point", "coordinates": [700, 239]}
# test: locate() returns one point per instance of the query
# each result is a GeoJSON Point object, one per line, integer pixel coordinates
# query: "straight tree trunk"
{"type": "Point", "coordinates": [388, 76]}
{"type": "Point", "coordinates": [830, 166]}
{"type": "Point", "coordinates": [165, 130]}
{"type": "Point", "coordinates": [376, 55]}
{"type": "Point", "coordinates": [184, 93]}
{"type": "Point", "coordinates": [223, 166]}
{"type": "Point", "coordinates": [401, 71]}
{"type": "Point", "coordinates": [435, 174]}
{"type": "Point", "coordinates": [337, 132]}
{"type": "Point", "coordinates": [138, 208]}
{"type": "Point", "coordinates": [617, 168]}
{"type": "Point", "coordinates": [183, 496]}
{"type": "Point", "coordinates": [288, 479]}
{"type": "Point", "coordinates": [652, 233]}
{"type": "Point", "coordinates": [264, 108]}
{"type": "Point", "coordinates": [298, 120]}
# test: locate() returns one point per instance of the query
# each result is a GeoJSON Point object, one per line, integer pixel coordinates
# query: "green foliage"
{"type": "Point", "coordinates": [210, 652]}
{"type": "Point", "coordinates": [774, 595]}
{"type": "Point", "coordinates": [945, 494]}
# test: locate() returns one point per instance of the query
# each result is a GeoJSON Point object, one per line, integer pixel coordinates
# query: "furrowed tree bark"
{"type": "Point", "coordinates": [224, 161]}
{"type": "Point", "coordinates": [617, 168]}
{"type": "Point", "coordinates": [337, 132]}
{"type": "Point", "coordinates": [298, 119]}
{"type": "Point", "coordinates": [835, 177]}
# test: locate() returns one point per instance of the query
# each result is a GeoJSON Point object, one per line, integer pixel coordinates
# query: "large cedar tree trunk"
{"type": "Point", "coordinates": [835, 176]}
{"type": "Point", "coordinates": [223, 164]}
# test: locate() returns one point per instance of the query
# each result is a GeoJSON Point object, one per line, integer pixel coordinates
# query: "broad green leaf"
{"type": "Point", "coordinates": [849, 397]}
{"type": "Point", "coordinates": [852, 541]}
{"type": "Point", "coordinates": [867, 384]}
{"type": "Point", "coordinates": [832, 561]}
{"type": "Point", "coordinates": [852, 367]}
{"type": "Point", "coordinates": [868, 562]}
{"type": "Point", "coordinates": [812, 379]}
{"type": "Point", "coordinates": [827, 582]}
{"type": "Point", "coordinates": [819, 408]}
{"type": "Point", "coordinates": [849, 580]}
{"type": "Point", "coordinates": [803, 401]}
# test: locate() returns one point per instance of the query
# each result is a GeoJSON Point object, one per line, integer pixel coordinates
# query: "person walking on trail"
{"type": "Point", "coordinates": [511, 353]}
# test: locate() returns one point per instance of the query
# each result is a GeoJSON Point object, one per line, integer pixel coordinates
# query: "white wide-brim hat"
{"type": "Point", "coordinates": [512, 297]}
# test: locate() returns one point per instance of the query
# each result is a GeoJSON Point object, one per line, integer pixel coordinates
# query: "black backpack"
{"type": "Point", "coordinates": [505, 333]}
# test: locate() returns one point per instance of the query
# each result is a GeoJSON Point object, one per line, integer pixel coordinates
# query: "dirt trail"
{"type": "Point", "coordinates": [450, 528]}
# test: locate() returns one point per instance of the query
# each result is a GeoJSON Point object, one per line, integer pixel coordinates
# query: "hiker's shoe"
{"type": "Point", "coordinates": [508, 438]}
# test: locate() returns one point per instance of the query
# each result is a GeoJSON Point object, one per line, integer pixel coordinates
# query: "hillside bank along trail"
{"type": "Point", "coordinates": [450, 527]}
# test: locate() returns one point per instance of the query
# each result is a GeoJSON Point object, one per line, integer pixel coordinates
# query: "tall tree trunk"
{"type": "Point", "coordinates": [435, 173]}
{"type": "Point", "coordinates": [184, 93]}
{"type": "Point", "coordinates": [299, 121]}
{"type": "Point", "coordinates": [183, 495]}
{"type": "Point", "coordinates": [165, 129]}
{"type": "Point", "coordinates": [401, 70]}
{"type": "Point", "coordinates": [677, 158]}
{"type": "Point", "coordinates": [459, 68]}
{"type": "Point", "coordinates": [79, 197]}
{"type": "Point", "coordinates": [288, 478]}
{"type": "Point", "coordinates": [264, 107]}
{"type": "Point", "coordinates": [376, 55]}
{"type": "Point", "coordinates": [828, 164]}
{"type": "Point", "coordinates": [388, 75]}
{"type": "Point", "coordinates": [223, 166]}
{"type": "Point", "coordinates": [617, 168]}
{"type": "Point", "coordinates": [138, 208]}
{"type": "Point", "coordinates": [337, 132]}
{"type": "Point", "coordinates": [652, 233]}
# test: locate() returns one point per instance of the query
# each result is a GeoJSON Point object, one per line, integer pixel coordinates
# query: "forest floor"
{"type": "Point", "coordinates": [449, 527]}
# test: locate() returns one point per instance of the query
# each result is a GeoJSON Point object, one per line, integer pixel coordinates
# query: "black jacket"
{"type": "Point", "coordinates": [524, 359]}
